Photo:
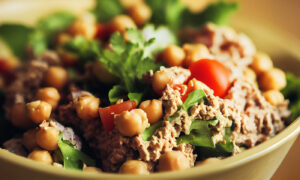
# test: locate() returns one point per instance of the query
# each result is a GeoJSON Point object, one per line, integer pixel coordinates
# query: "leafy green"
{"type": "Point", "coordinates": [218, 13]}
{"type": "Point", "coordinates": [127, 60]}
{"type": "Point", "coordinates": [175, 15]}
{"type": "Point", "coordinates": [106, 9]}
{"type": "Point", "coordinates": [73, 158]}
{"type": "Point", "coordinates": [85, 49]}
{"type": "Point", "coordinates": [148, 133]}
{"type": "Point", "coordinates": [194, 97]}
{"type": "Point", "coordinates": [163, 37]}
{"type": "Point", "coordinates": [116, 93]}
{"type": "Point", "coordinates": [137, 97]}
{"type": "Point", "coordinates": [200, 134]}
{"type": "Point", "coordinates": [16, 37]}
{"type": "Point", "coordinates": [38, 42]}
{"type": "Point", "coordinates": [292, 93]}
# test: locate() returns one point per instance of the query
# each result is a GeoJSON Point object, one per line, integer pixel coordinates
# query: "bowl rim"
{"type": "Point", "coordinates": [256, 152]}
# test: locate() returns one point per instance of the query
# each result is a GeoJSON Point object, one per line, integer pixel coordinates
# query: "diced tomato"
{"type": "Point", "coordinates": [182, 89]}
{"type": "Point", "coordinates": [212, 73]}
{"type": "Point", "coordinates": [4, 67]}
{"type": "Point", "coordinates": [103, 32]}
{"type": "Point", "coordinates": [107, 114]}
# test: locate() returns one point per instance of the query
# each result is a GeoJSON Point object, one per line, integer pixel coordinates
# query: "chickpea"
{"type": "Point", "coordinates": [121, 23]}
{"type": "Point", "coordinates": [131, 123]}
{"type": "Point", "coordinates": [41, 156]}
{"type": "Point", "coordinates": [172, 161]}
{"type": "Point", "coordinates": [261, 63]}
{"type": "Point", "coordinates": [39, 111]}
{"type": "Point", "coordinates": [19, 116]}
{"type": "Point", "coordinates": [102, 74]}
{"type": "Point", "coordinates": [194, 84]}
{"type": "Point", "coordinates": [29, 140]}
{"type": "Point", "coordinates": [273, 79]}
{"type": "Point", "coordinates": [173, 55]}
{"type": "Point", "coordinates": [140, 13]}
{"type": "Point", "coordinates": [160, 81]}
{"type": "Point", "coordinates": [87, 107]}
{"type": "Point", "coordinates": [91, 169]}
{"type": "Point", "coordinates": [134, 167]}
{"type": "Point", "coordinates": [63, 38]}
{"type": "Point", "coordinates": [85, 26]}
{"type": "Point", "coordinates": [274, 97]}
{"type": "Point", "coordinates": [67, 58]}
{"type": "Point", "coordinates": [56, 77]}
{"type": "Point", "coordinates": [194, 52]}
{"type": "Point", "coordinates": [47, 137]}
{"type": "Point", "coordinates": [153, 109]}
{"type": "Point", "coordinates": [49, 95]}
{"type": "Point", "coordinates": [249, 74]}
{"type": "Point", "coordinates": [208, 161]}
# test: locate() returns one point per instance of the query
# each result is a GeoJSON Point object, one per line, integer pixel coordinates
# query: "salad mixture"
{"type": "Point", "coordinates": [139, 89]}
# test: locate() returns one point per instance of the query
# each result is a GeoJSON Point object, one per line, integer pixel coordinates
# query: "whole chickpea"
{"type": "Point", "coordinates": [194, 52]}
{"type": "Point", "coordinates": [87, 107]}
{"type": "Point", "coordinates": [121, 22]}
{"type": "Point", "coordinates": [249, 74]}
{"type": "Point", "coordinates": [49, 95]}
{"type": "Point", "coordinates": [130, 123]}
{"type": "Point", "coordinates": [173, 55]}
{"type": "Point", "coordinates": [153, 109]}
{"type": "Point", "coordinates": [39, 111]}
{"type": "Point", "coordinates": [140, 13]}
{"type": "Point", "coordinates": [160, 81]}
{"type": "Point", "coordinates": [85, 26]}
{"type": "Point", "coordinates": [273, 79]}
{"type": "Point", "coordinates": [41, 156]}
{"type": "Point", "coordinates": [274, 97]}
{"type": "Point", "coordinates": [47, 137]}
{"type": "Point", "coordinates": [63, 38]}
{"type": "Point", "coordinates": [19, 116]}
{"type": "Point", "coordinates": [68, 58]}
{"type": "Point", "coordinates": [134, 167]}
{"type": "Point", "coordinates": [56, 77]}
{"type": "Point", "coordinates": [172, 161]}
{"type": "Point", "coordinates": [261, 63]}
{"type": "Point", "coordinates": [29, 140]}
{"type": "Point", "coordinates": [207, 161]}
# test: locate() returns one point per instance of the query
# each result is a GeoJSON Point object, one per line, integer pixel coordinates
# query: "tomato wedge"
{"type": "Point", "coordinates": [107, 114]}
{"type": "Point", "coordinates": [212, 73]}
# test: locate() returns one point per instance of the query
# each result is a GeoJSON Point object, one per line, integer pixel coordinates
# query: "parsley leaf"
{"type": "Point", "coordinates": [292, 93]}
{"type": "Point", "coordinates": [85, 49]}
{"type": "Point", "coordinates": [194, 97]}
{"type": "Point", "coordinates": [73, 158]}
{"type": "Point", "coordinates": [127, 61]}
{"type": "Point", "coordinates": [148, 133]}
{"type": "Point", "coordinates": [16, 37]}
{"type": "Point", "coordinates": [107, 9]}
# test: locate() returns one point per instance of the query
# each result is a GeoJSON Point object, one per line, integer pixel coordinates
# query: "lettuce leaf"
{"type": "Point", "coordinates": [292, 93]}
{"type": "Point", "coordinates": [194, 97]}
{"type": "Point", "coordinates": [148, 133]}
{"type": "Point", "coordinates": [73, 158]}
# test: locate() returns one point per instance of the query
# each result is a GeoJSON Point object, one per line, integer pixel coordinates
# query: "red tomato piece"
{"type": "Point", "coordinates": [107, 114]}
{"type": "Point", "coordinates": [212, 73]}
{"type": "Point", "coordinates": [103, 32]}
{"type": "Point", "coordinates": [182, 89]}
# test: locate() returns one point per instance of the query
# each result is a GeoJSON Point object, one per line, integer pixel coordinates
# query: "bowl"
{"type": "Point", "coordinates": [259, 162]}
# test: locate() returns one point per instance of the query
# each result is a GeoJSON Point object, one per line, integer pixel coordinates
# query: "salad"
{"type": "Point", "coordinates": [138, 89]}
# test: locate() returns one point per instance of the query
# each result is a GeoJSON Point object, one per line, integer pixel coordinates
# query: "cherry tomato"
{"type": "Point", "coordinates": [212, 73]}
{"type": "Point", "coordinates": [107, 114]}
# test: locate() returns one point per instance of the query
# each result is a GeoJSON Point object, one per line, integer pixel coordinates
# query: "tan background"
{"type": "Point", "coordinates": [277, 15]}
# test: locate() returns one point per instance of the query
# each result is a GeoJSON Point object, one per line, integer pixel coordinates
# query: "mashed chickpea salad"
{"type": "Point", "coordinates": [142, 89]}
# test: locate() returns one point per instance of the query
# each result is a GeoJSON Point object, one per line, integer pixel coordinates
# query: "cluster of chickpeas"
{"type": "Point", "coordinates": [269, 78]}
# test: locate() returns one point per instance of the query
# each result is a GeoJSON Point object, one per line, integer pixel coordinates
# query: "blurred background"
{"type": "Point", "coordinates": [274, 16]}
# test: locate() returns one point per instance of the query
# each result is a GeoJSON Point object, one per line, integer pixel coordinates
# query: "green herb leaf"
{"type": "Point", "coordinates": [116, 93]}
{"type": "Point", "coordinates": [85, 49]}
{"type": "Point", "coordinates": [194, 97]}
{"type": "Point", "coordinates": [292, 93]}
{"type": "Point", "coordinates": [16, 37]}
{"type": "Point", "coordinates": [200, 134]}
{"type": "Point", "coordinates": [218, 13]}
{"type": "Point", "coordinates": [73, 158]}
{"type": "Point", "coordinates": [137, 97]}
{"type": "Point", "coordinates": [107, 9]}
{"type": "Point", "coordinates": [38, 42]}
{"type": "Point", "coordinates": [148, 133]}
